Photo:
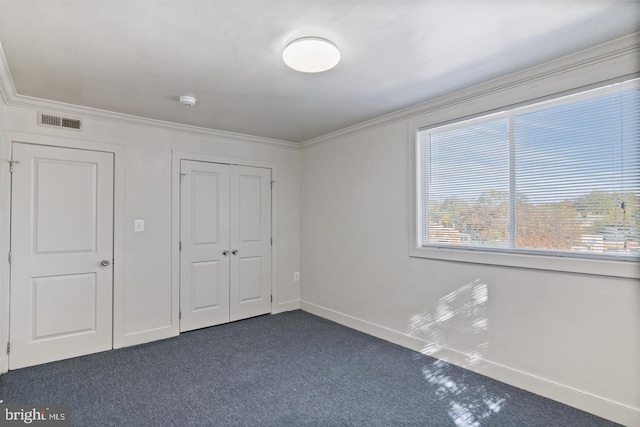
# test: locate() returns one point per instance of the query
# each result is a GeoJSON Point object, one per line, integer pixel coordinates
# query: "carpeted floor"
{"type": "Point", "coordinates": [289, 369]}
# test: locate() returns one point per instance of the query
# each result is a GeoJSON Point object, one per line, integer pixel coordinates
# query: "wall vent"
{"type": "Point", "coordinates": [59, 122]}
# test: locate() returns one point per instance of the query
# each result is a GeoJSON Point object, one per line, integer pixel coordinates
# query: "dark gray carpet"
{"type": "Point", "coordinates": [290, 369]}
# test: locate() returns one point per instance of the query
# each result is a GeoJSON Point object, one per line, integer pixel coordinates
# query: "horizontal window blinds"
{"type": "Point", "coordinates": [468, 185]}
{"type": "Point", "coordinates": [557, 177]}
{"type": "Point", "coordinates": [577, 175]}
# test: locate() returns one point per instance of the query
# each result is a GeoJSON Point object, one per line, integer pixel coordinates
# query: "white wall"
{"type": "Point", "coordinates": [147, 187]}
{"type": "Point", "coordinates": [4, 240]}
{"type": "Point", "coordinates": [572, 337]}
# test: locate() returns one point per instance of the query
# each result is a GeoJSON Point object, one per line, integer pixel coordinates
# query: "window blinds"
{"type": "Point", "coordinates": [557, 177]}
{"type": "Point", "coordinates": [468, 185]}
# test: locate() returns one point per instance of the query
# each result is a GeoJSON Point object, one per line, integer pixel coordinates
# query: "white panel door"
{"type": "Point", "coordinates": [204, 236]}
{"type": "Point", "coordinates": [250, 242]}
{"type": "Point", "coordinates": [62, 251]}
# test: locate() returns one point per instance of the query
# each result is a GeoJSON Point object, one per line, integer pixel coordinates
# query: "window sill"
{"type": "Point", "coordinates": [600, 267]}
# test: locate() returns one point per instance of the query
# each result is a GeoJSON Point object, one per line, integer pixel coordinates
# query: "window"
{"type": "Point", "coordinates": [558, 178]}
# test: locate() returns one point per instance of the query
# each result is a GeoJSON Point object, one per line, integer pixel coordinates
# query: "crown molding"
{"type": "Point", "coordinates": [623, 52]}
{"type": "Point", "coordinates": [6, 82]}
{"type": "Point", "coordinates": [10, 97]}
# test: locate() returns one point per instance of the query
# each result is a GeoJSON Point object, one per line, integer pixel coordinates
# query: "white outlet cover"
{"type": "Point", "coordinates": [296, 276]}
{"type": "Point", "coordinates": [138, 225]}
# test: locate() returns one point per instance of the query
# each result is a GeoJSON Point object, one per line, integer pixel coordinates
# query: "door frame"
{"type": "Point", "coordinates": [176, 157]}
{"type": "Point", "coordinates": [118, 152]}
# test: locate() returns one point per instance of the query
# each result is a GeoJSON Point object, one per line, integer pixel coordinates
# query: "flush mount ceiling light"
{"type": "Point", "coordinates": [311, 55]}
{"type": "Point", "coordinates": [188, 100]}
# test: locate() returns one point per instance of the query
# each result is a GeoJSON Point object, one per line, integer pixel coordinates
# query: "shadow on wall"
{"type": "Point", "coordinates": [463, 311]}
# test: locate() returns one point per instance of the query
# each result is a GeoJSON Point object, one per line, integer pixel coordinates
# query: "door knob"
{"type": "Point", "coordinates": [105, 263]}
{"type": "Point", "coordinates": [235, 251]}
{"type": "Point", "coordinates": [225, 252]}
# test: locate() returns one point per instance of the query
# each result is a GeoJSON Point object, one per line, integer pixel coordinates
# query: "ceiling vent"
{"type": "Point", "coordinates": [59, 122]}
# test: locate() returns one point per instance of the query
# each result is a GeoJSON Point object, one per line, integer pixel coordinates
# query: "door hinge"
{"type": "Point", "coordinates": [8, 348]}
{"type": "Point", "coordinates": [272, 182]}
{"type": "Point", "coordinates": [179, 246]}
{"type": "Point", "coordinates": [10, 257]}
{"type": "Point", "coordinates": [271, 298]}
{"type": "Point", "coordinates": [179, 315]}
{"type": "Point", "coordinates": [11, 163]}
{"type": "Point", "coordinates": [271, 241]}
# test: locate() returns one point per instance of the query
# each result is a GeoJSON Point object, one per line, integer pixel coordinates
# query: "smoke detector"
{"type": "Point", "coordinates": [188, 100]}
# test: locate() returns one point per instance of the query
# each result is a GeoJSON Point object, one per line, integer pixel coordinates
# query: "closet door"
{"type": "Point", "coordinates": [204, 236]}
{"type": "Point", "coordinates": [250, 288]}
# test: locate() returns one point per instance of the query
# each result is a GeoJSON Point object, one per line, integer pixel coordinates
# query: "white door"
{"type": "Point", "coordinates": [204, 237]}
{"type": "Point", "coordinates": [250, 242]}
{"type": "Point", "coordinates": [62, 250]}
{"type": "Point", "coordinates": [225, 238]}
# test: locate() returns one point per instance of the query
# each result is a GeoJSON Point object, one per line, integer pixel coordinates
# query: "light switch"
{"type": "Point", "coordinates": [138, 225]}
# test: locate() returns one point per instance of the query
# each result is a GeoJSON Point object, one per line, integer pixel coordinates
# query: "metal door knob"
{"type": "Point", "coordinates": [225, 252]}
{"type": "Point", "coordinates": [235, 251]}
{"type": "Point", "coordinates": [105, 263]}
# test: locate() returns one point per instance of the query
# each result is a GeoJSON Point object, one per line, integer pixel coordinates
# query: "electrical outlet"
{"type": "Point", "coordinates": [138, 225]}
{"type": "Point", "coordinates": [296, 276]}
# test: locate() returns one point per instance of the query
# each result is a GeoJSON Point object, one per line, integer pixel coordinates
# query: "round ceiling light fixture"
{"type": "Point", "coordinates": [311, 55]}
{"type": "Point", "coordinates": [188, 100]}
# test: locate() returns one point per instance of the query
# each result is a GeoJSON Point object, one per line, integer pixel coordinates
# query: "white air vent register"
{"type": "Point", "coordinates": [59, 122]}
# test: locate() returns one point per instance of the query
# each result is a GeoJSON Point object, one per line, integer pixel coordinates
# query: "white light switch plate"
{"type": "Point", "coordinates": [138, 225]}
{"type": "Point", "coordinates": [296, 276]}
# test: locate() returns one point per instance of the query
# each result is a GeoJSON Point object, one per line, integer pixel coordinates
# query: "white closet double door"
{"type": "Point", "coordinates": [225, 238]}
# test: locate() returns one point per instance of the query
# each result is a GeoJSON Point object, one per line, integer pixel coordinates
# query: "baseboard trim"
{"type": "Point", "coordinates": [286, 306]}
{"type": "Point", "coordinates": [147, 336]}
{"type": "Point", "coordinates": [584, 401]}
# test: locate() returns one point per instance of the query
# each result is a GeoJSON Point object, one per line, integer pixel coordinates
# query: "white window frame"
{"type": "Point", "coordinates": [554, 261]}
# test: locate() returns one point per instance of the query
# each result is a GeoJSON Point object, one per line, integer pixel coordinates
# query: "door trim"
{"type": "Point", "coordinates": [118, 226]}
{"type": "Point", "coordinates": [176, 157]}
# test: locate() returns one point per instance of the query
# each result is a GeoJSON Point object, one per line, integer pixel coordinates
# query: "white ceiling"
{"type": "Point", "coordinates": [137, 57]}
